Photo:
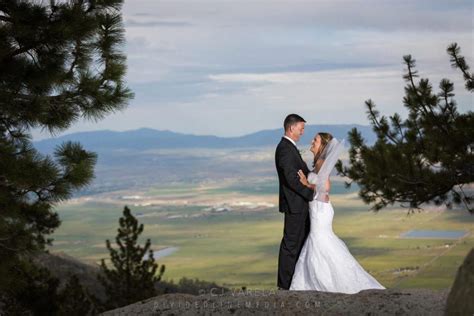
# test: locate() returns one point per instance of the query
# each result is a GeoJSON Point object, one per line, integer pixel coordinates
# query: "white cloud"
{"type": "Point", "coordinates": [307, 77]}
{"type": "Point", "coordinates": [233, 67]}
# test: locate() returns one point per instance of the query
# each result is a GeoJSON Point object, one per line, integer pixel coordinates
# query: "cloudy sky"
{"type": "Point", "coordinates": [231, 67]}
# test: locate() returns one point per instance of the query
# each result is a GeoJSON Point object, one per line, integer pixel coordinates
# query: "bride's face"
{"type": "Point", "coordinates": [315, 144]}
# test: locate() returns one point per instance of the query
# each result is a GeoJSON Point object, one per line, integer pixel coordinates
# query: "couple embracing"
{"type": "Point", "coordinates": [311, 256]}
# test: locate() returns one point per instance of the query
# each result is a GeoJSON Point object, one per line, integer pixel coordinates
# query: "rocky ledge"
{"type": "Point", "coordinates": [272, 302]}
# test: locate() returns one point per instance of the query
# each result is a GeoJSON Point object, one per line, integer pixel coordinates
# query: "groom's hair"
{"type": "Point", "coordinates": [292, 119]}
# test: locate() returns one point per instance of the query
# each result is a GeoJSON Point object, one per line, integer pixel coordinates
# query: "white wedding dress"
{"type": "Point", "coordinates": [325, 263]}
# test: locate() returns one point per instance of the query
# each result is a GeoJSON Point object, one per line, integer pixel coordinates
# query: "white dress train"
{"type": "Point", "coordinates": [325, 263]}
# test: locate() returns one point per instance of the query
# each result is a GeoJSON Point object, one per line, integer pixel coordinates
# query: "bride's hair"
{"type": "Point", "coordinates": [325, 139]}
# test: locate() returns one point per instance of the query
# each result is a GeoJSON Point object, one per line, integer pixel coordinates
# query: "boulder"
{"type": "Point", "coordinates": [366, 302]}
{"type": "Point", "coordinates": [461, 297]}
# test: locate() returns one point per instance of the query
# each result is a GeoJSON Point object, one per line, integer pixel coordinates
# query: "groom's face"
{"type": "Point", "coordinates": [297, 131]}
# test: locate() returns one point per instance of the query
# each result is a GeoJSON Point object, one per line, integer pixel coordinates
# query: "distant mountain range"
{"type": "Point", "coordinates": [147, 138]}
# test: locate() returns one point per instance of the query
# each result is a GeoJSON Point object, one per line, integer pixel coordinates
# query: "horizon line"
{"type": "Point", "coordinates": [182, 133]}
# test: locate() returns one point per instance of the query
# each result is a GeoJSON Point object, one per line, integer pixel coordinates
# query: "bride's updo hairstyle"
{"type": "Point", "coordinates": [325, 139]}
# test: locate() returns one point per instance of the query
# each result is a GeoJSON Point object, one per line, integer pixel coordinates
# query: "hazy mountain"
{"type": "Point", "coordinates": [147, 138]}
{"type": "Point", "coordinates": [146, 157]}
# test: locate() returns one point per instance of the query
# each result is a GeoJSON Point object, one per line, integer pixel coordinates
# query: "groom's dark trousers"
{"type": "Point", "coordinates": [293, 202]}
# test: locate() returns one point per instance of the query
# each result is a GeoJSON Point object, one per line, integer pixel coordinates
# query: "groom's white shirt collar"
{"type": "Point", "coordinates": [290, 140]}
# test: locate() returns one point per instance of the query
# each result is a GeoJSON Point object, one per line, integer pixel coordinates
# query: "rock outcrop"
{"type": "Point", "coordinates": [461, 298]}
{"type": "Point", "coordinates": [63, 267]}
{"type": "Point", "coordinates": [367, 302]}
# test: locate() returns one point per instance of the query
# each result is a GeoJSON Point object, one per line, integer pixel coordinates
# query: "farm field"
{"type": "Point", "coordinates": [231, 234]}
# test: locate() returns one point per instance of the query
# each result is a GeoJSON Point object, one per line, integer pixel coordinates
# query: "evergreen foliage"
{"type": "Point", "coordinates": [425, 158]}
{"type": "Point", "coordinates": [132, 277]}
{"type": "Point", "coordinates": [59, 61]}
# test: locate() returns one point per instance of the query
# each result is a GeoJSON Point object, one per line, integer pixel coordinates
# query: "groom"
{"type": "Point", "coordinates": [294, 199]}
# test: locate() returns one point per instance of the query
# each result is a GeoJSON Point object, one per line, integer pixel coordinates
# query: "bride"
{"type": "Point", "coordinates": [325, 263]}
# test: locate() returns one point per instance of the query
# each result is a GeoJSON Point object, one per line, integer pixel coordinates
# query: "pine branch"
{"type": "Point", "coordinates": [459, 62]}
{"type": "Point", "coordinates": [373, 116]}
{"type": "Point", "coordinates": [410, 163]}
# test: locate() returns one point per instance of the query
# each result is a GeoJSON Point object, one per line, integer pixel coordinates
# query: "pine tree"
{"type": "Point", "coordinates": [428, 157]}
{"type": "Point", "coordinates": [132, 277]}
{"type": "Point", "coordinates": [59, 61]}
{"type": "Point", "coordinates": [75, 300]}
{"type": "Point", "coordinates": [40, 294]}
{"type": "Point", "coordinates": [37, 293]}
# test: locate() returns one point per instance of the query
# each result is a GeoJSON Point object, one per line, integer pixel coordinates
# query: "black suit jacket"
{"type": "Point", "coordinates": [294, 196]}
